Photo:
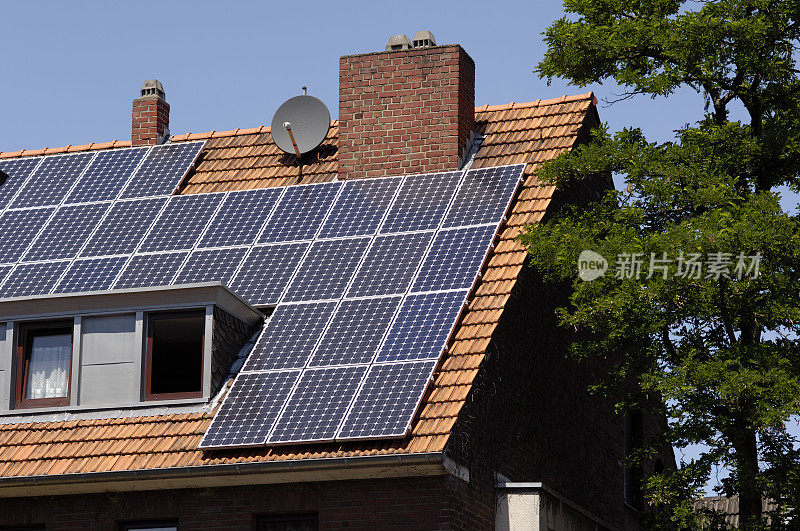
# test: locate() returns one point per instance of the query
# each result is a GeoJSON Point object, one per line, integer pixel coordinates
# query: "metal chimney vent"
{"type": "Point", "coordinates": [424, 39]}
{"type": "Point", "coordinates": [153, 87]}
{"type": "Point", "coordinates": [398, 42]}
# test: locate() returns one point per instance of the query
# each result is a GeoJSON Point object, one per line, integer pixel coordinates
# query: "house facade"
{"type": "Point", "coordinates": [101, 429]}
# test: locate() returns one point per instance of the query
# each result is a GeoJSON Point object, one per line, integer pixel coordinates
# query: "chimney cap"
{"type": "Point", "coordinates": [153, 87]}
{"type": "Point", "coordinates": [398, 42]}
{"type": "Point", "coordinates": [424, 39]}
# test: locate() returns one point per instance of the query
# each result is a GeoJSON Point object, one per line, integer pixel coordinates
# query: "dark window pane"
{"type": "Point", "coordinates": [176, 354]}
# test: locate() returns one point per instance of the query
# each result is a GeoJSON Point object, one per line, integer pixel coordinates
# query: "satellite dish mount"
{"type": "Point", "coordinates": [300, 124]}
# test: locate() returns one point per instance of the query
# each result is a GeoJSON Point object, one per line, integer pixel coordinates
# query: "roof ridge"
{"type": "Point", "coordinates": [266, 129]}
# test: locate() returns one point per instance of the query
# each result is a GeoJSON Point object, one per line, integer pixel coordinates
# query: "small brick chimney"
{"type": "Point", "coordinates": [405, 110]}
{"type": "Point", "coordinates": [150, 115]}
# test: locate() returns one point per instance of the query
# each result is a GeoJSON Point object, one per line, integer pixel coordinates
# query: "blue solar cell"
{"type": "Point", "coordinates": [91, 274]}
{"type": "Point", "coordinates": [289, 336]}
{"type": "Point", "coordinates": [484, 196]}
{"type": "Point", "coordinates": [327, 269]}
{"type": "Point", "coordinates": [123, 227]}
{"type": "Point", "coordinates": [18, 171]}
{"type": "Point", "coordinates": [106, 175]}
{"type": "Point", "coordinates": [180, 224]}
{"type": "Point", "coordinates": [66, 232]}
{"type": "Point", "coordinates": [32, 279]}
{"type": "Point", "coordinates": [455, 259]}
{"type": "Point", "coordinates": [19, 228]}
{"type": "Point", "coordinates": [390, 264]}
{"type": "Point", "coordinates": [148, 270]}
{"type": "Point", "coordinates": [421, 202]}
{"type": "Point", "coordinates": [250, 410]}
{"type": "Point", "coordinates": [355, 331]}
{"type": "Point", "coordinates": [163, 169]}
{"type": "Point", "coordinates": [300, 212]}
{"type": "Point", "coordinates": [266, 271]}
{"type": "Point", "coordinates": [360, 207]}
{"type": "Point", "coordinates": [422, 326]}
{"type": "Point", "coordinates": [317, 405]}
{"type": "Point", "coordinates": [240, 218]}
{"type": "Point", "coordinates": [386, 403]}
{"type": "Point", "coordinates": [4, 271]}
{"type": "Point", "coordinates": [52, 180]}
{"type": "Point", "coordinates": [212, 265]}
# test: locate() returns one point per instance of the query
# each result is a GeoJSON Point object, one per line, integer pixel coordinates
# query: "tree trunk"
{"type": "Point", "coordinates": [744, 442]}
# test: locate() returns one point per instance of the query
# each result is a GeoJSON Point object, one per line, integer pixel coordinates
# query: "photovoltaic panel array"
{"type": "Point", "coordinates": [368, 277]}
{"type": "Point", "coordinates": [17, 172]}
{"type": "Point", "coordinates": [369, 311]}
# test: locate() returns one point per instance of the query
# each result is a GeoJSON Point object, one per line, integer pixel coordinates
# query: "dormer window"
{"type": "Point", "coordinates": [175, 355]}
{"type": "Point", "coordinates": [44, 361]}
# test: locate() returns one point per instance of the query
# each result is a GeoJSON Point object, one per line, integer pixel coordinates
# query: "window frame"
{"type": "Point", "coordinates": [153, 316]}
{"type": "Point", "coordinates": [25, 331]}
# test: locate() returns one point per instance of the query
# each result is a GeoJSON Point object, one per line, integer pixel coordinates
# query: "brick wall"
{"type": "Point", "coordinates": [230, 335]}
{"type": "Point", "coordinates": [406, 111]}
{"type": "Point", "coordinates": [150, 121]}
{"type": "Point", "coordinates": [438, 502]}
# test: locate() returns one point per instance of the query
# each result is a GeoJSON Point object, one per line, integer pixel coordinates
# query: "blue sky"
{"type": "Point", "coordinates": [71, 69]}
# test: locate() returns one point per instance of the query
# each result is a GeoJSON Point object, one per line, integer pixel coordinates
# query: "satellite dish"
{"type": "Point", "coordinates": [300, 124]}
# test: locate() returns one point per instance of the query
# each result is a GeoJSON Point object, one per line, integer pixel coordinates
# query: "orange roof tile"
{"type": "Point", "coordinates": [529, 133]}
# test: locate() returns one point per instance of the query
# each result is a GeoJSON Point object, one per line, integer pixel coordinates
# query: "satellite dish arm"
{"type": "Point", "coordinates": [288, 127]}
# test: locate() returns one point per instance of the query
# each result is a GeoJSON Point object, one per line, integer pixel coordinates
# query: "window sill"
{"type": "Point", "coordinates": [42, 411]}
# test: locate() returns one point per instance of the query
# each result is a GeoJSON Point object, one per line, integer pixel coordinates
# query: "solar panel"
{"type": "Point", "coordinates": [36, 278]}
{"type": "Point", "coordinates": [300, 213]}
{"type": "Point", "coordinates": [327, 269]}
{"type": "Point", "coordinates": [91, 274]}
{"type": "Point", "coordinates": [4, 270]}
{"type": "Point", "coordinates": [240, 218]}
{"type": "Point", "coordinates": [19, 228]}
{"type": "Point", "coordinates": [455, 258]}
{"type": "Point", "coordinates": [289, 336]}
{"type": "Point", "coordinates": [18, 171]}
{"type": "Point", "coordinates": [52, 180]}
{"type": "Point", "coordinates": [360, 207]}
{"type": "Point", "coordinates": [211, 265]}
{"type": "Point", "coordinates": [123, 228]}
{"type": "Point", "coordinates": [317, 405]}
{"type": "Point", "coordinates": [181, 223]}
{"type": "Point", "coordinates": [355, 331]}
{"type": "Point", "coordinates": [106, 175]}
{"type": "Point", "coordinates": [66, 232]}
{"type": "Point", "coordinates": [390, 264]}
{"type": "Point", "coordinates": [266, 271]}
{"type": "Point", "coordinates": [484, 196]}
{"type": "Point", "coordinates": [421, 202]}
{"type": "Point", "coordinates": [253, 403]}
{"type": "Point", "coordinates": [386, 403]}
{"type": "Point", "coordinates": [422, 326]}
{"type": "Point", "coordinates": [148, 270]}
{"type": "Point", "coordinates": [163, 169]}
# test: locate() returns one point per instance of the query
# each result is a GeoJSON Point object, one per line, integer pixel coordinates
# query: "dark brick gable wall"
{"type": "Point", "coordinates": [230, 335]}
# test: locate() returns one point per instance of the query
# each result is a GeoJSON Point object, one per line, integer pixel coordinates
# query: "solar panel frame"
{"type": "Point", "coordinates": [19, 171]}
{"type": "Point", "coordinates": [233, 223]}
{"type": "Point", "coordinates": [305, 206]}
{"type": "Point", "coordinates": [53, 180]}
{"type": "Point", "coordinates": [484, 196]}
{"type": "Point", "coordinates": [292, 332]}
{"type": "Point", "coordinates": [169, 232]}
{"type": "Point", "coordinates": [20, 230]}
{"type": "Point", "coordinates": [317, 405]}
{"type": "Point", "coordinates": [455, 253]}
{"type": "Point", "coordinates": [259, 281]}
{"type": "Point", "coordinates": [124, 227]}
{"type": "Point", "coordinates": [163, 169]}
{"type": "Point", "coordinates": [107, 174]}
{"type": "Point", "coordinates": [320, 275]}
{"type": "Point", "coordinates": [378, 194]}
{"type": "Point", "coordinates": [368, 405]}
{"type": "Point", "coordinates": [66, 232]}
{"type": "Point", "coordinates": [421, 202]}
{"type": "Point", "coordinates": [266, 394]}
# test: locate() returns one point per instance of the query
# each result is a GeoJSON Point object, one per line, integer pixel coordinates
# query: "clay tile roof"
{"type": "Point", "coordinates": [529, 133]}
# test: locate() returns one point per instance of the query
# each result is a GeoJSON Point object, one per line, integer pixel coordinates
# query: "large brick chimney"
{"type": "Point", "coordinates": [150, 123]}
{"type": "Point", "coordinates": [405, 110]}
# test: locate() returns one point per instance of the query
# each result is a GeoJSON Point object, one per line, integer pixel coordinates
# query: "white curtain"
{"type": "Point", "coordinates": [48, 367]}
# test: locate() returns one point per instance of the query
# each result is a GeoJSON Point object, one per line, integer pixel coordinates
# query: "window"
{"type": "Point", "coordinates": [175, 344]}
{"type": "Point", "coordinates": [293, 522]}
{"type": "Point", "coordinates": [44, 364]}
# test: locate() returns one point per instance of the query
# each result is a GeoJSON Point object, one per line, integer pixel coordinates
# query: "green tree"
{"type": "Point", "coordinates": [718, 354]}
